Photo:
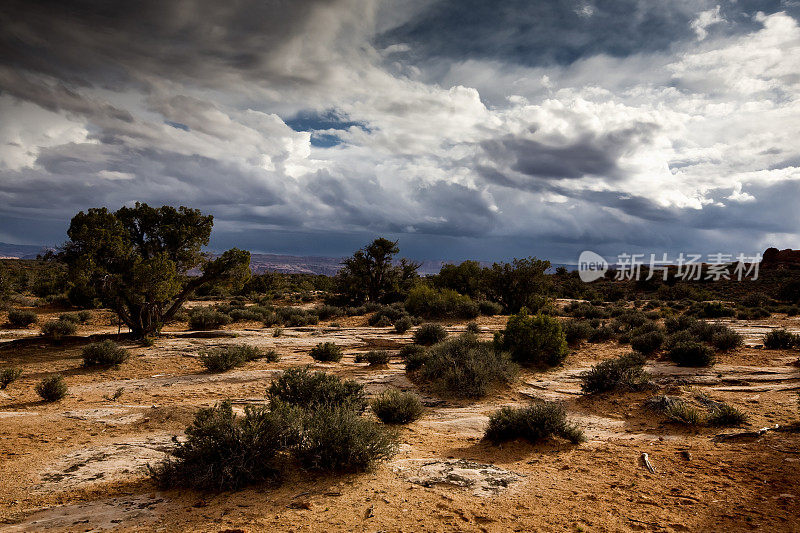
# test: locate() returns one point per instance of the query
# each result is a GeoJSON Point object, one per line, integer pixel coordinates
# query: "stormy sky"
{"type": "Point", "coordinates": [463, 128]}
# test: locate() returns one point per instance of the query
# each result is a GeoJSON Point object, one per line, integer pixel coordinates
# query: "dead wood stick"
{"type": "Point", "coordinates": [646, 461]}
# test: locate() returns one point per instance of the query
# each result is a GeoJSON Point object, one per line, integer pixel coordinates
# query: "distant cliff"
{"type": "Point", "coordinates": [774, 258]}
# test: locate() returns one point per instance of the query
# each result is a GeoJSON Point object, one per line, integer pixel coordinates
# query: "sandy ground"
{"type": "Point", "coordinates": [80, 464]}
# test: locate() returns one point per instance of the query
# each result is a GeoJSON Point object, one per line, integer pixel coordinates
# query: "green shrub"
{"type": "Point", "coordinates": [533, 340]}
{"type": "Point", "coordinates": [105, 353]}
{"type": "Point", "coordinates": [226, 452]}
{"type": "Point", "coordinates": [779, 339]}
{"type": "Point", "coordinates": [205, 318]}
{"type": "Point", "coordinates": [714, 310]}
{"type": "Point", "coordinates": [277, 332]}
{"type": "Point", "coordinates": [724, 415]}
{"type": "Point", "coordinates": [473, 328]}
{"type": "Point", "coordinates": [414, 355]}
{"type": "Point", "coordinates": [326, 351]}
{"type": "Point", "coordinates": [223, 358]}
{"type": "Point", "coordinates": [679, 323]}
{"type": "Point", "coordinates": [52, 388]}
{"type": "Point", "coordinates": [623, 373]}
{"type": "Point", "coordinates": [428, 334]}
{"type": "Point", "coordinates": [70, 317]}
{"type": "Point", "coordinates": [403, 324]}
{"type": "Point", "coordinates": [440, 303]}
{"type": "Point", "coordinates": [586, 310]}
{"type": "Point", "coordinates": [539, 421]}
{"type": "Point", "coordinates": [21, 318]}
{"type": "Point", "coordinates": [397, 407]}
{"type": "Point", "coordinates": [489, 308]}
{"type": "Point", "coordinates": [296, 316]}
{"type": "Point", "coordinates": [726, 339]}
{"type": "Point", "coordinates": [465, 367]}
{"type": "Point", "coordinates": [576, 331]}
{"type": "Point", "coordinates": [691, 353]}
{"type": "Point", "coordinates": [681, 412]}
{"type": "Point", "coordinates": [373, 357]}
{"type": "Point", "coordinates": [55, 329]}
{"type": "Point", "coordinates": [337, 439]}
{"type": "Point", "coordinates": [84, 316]}
{"type": "Point", "coordinates": [647, 343]}
{"type": "Point", "coordinates": [386, 315]}
{"type": "Point", "coordinates": [8, 376]}
{"type": "Point", "coordinates": [304, 388]}
{"type": "Point", "coordinates": [325, 312]}
{"type": "Point", "coordinates": [601, 333]}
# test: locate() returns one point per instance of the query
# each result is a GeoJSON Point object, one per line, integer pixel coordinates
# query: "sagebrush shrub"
{"type": "Point", "coordinates": [105, 353]}
{"type": "Point", "coordinates": [8, 376]}
{"type": "Point", "coordinates": [539, 421]}
{"type": "Point", "coordinates": [326, 352]}
{"type": "Point", "coordinates": [463, 366]}
{"type": "Point", "coordinates": [21, 318]}
{"type": "Point", "coordinates": [222, 358]}
{"type": "Point", "coordinates": [397, 407]}
{"type": "Point", "coordinates": [205, 318]}
{"type": "Point", "coordinates": [780, 339]}
{"type": "Point", "coordinates": [647, 343]}
{"type": "Point", "coordinates": [691, 353]}
{"type": "Point", "coordinates": [533, 339]}
{"type": "Point", "coordinates": [679, 323]}
{"type": "Point", "coordinates": [373, 357]}
{"type": "Point", "coordinates": [55, 329]}
{"type": "Point", "coordinates": [577, 330]}
{"type": "Point", "coordinates": [337, 439]}
{"type": "Point", "coordinates": [727, 339]}
{"type": "Point", "coordinates": [473, 328]}
{"type": "Point", "coordinates": [303, 388]}
{"type": "Point", "coordinates": [428, 334]}
{"type": "Point", "coordinates": [489, 308]}
{"type": "Point", "coordinates": [428, 302]}
{"type": "Point", "coordinates": [617, 374]}
{"type": "Point", "coordinates": [386, 315]}
{"type": "Point", "coordinates": [681, 412]}
{"type": "Point", "coordinates": [52, 388]}
{"type": "Point", "coordinates": [226, 452]}
{"type": "Point", "coordinates": [414, 355]}
{"type": "Point", "coordinates": [403, 324]}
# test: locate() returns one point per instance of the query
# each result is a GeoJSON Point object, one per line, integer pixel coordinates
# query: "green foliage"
{"type": "Point", "coordinates": [326, 351]}
{"type": "Point", "coordinates": [205, 318]}
{"type": "Point", "coordinates": [489, 308]}
{"type": "Point", "coordinates": [467, 278]}
{"type": "Point", "coordinates": [105, 353]}
{"type": "Point", "coordinates": [724, 415]}
{"type": "Point", "coordinates": [428, 334]}
{"type": "Point", "coordinates": [681, 412]}
{"type": "Point", "coordinates": [586, 310]}
{"type": "Point", "coordinates": [292, 317]}
{"type": "Point", "coordinates": [386, 315]}
{"type": "Point", "coordinates": [403, 324]}
{"type": "Point", "coordinates": [222, 358]}
{"type": "Point", "coordinates": [465, 367]}
{"type": "Point", "coordinates": [374, 357]}
{"type": "Point", "coordinates": [679, 323]}
{"type": "Point", "coordinates": [8, 376]}
{"type": "Point", "coordinates": [576, 331]}
{"type": "Point", "coordinates": [473, 327]}
{"type": "Point", "coordinates": [691, 353]}
{"type": "Point", "coordinates": [52, 388]}
{"type": "Point", "coordinates": [647, 343]}
{"type": "Point", "coordinates": [136, 260]}
{"type": "Point", "coordinates": [226, 452]}
{"type": "Point", "coordinates": [414, 356]}
{"type": "Point", "coordinates": [393, 406]}
{"type": "Point", "coordinates": [21, 318]}
{"type": "Point", "coordinates": [780, 339]}
{"type": "Point", "coordinates": [521, 283]}
{"type": "Point", "coordinates": [337, 439]}
{"type": "Point", "coordinates": [623, 373]}
{"type": "Point", "coordinates": [428, 302]}
{"type": "Point", "coordinates": [533, 340]}
{"type": "Point", "coordinates": [55, 329]}
{"type": "Point", "coordinates": [303, 388]}
{"type": "Point", "coordinates": [726, 339]}
{"type": "Point", "coordinates": [536, 422]}
{"type": "Point", "coordinates": [370, 274]}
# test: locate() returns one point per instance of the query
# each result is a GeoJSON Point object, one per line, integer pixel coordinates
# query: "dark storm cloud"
{"type": "Point", "coordinates": [85, 42]}
{"type": "Point", "coordinates": [563, 31]}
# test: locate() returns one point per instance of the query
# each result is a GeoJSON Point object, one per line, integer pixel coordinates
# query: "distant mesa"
{"type": "Point", "coordinates": [774, 258]}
